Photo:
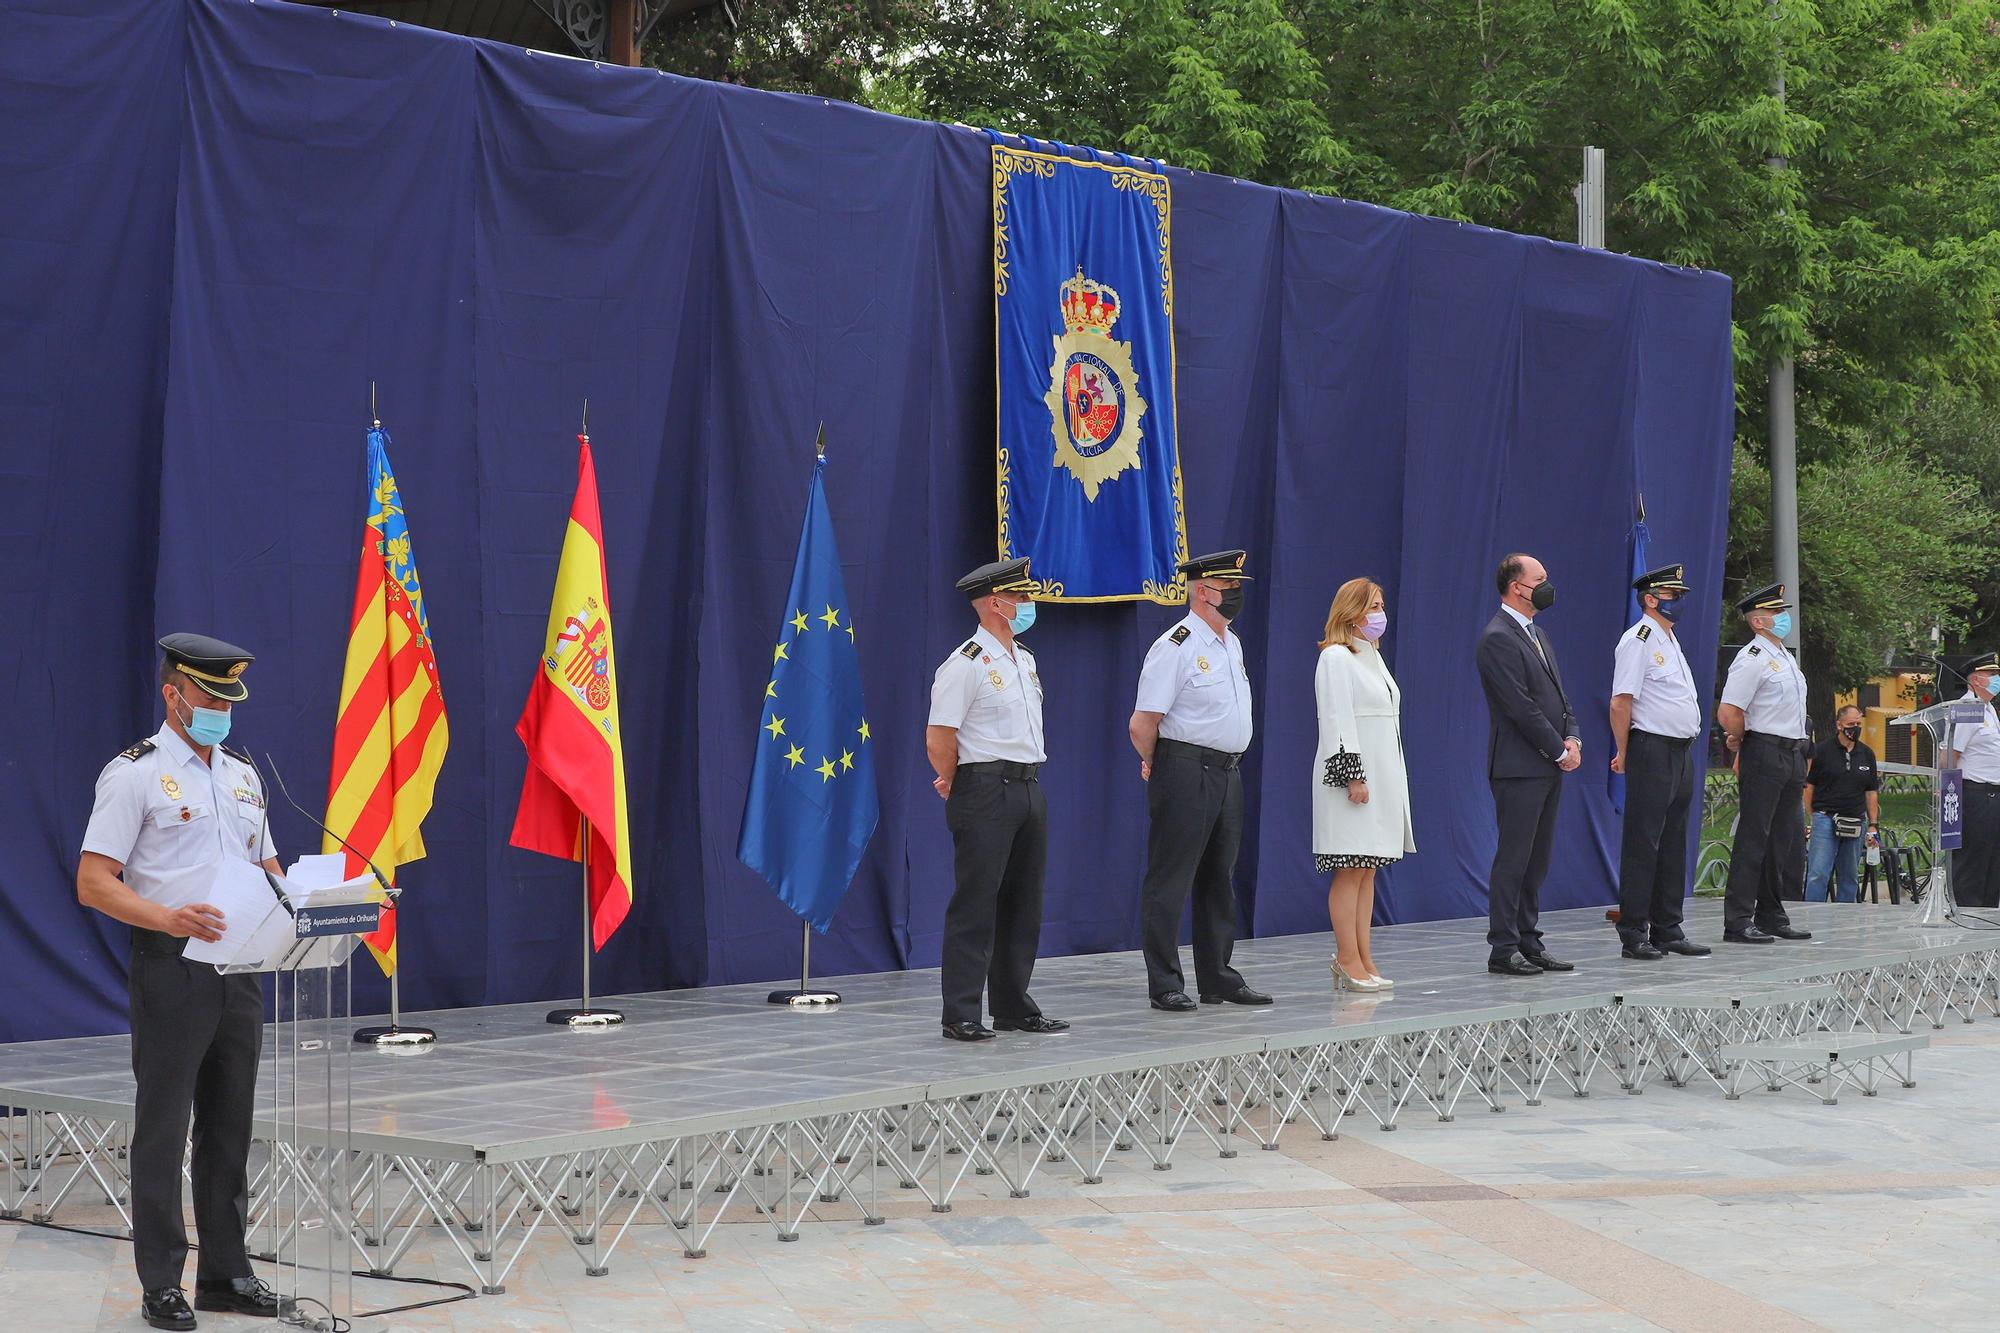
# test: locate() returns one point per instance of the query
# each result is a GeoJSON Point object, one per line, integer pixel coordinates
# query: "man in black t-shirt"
{"type": "Point", "coordinates": [1842, 808]}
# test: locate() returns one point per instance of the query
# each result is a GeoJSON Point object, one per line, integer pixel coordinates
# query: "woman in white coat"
{"type": "Point", "coordinates": [1361, 792]}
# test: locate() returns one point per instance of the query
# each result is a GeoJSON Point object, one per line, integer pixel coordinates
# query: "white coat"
{"type": "Point", "coordinates": [1360, 711]}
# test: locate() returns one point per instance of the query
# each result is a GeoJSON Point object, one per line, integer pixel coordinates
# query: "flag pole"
{"type": "Point", "coordinates": [586, 1017]}
{"type": "Point", "coordinates": [805, 997]}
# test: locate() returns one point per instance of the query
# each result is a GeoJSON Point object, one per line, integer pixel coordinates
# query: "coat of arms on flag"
{"type": "Point", "coordinates": [1087, 463]}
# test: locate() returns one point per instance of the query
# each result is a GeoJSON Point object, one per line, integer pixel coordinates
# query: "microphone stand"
{"type": "Point", "coordinates": [395, 1034]}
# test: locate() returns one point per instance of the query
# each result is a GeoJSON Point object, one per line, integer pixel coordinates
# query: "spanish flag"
{"type": "Point", "coordinates": [576, 756]}
{"type": "Point", "coordinates": [389, 735]}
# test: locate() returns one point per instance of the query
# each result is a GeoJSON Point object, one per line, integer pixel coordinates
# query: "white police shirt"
{"type": "Point", "coordinates": [1195, 677]}
{"type": "Point", "coordinates": [1649, 666]}
{"type": "Point", "coordinates": [1979, 747]}
{"type": "Point", "coordinates": [160, 811]}
{"type": "Point", "coordinates": [993, 698]}
{"type": "Point", "coordinates": [1768, 686]}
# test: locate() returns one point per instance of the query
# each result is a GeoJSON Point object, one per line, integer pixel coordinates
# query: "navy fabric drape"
{"type": "Point", "coordinates": [224, 220]}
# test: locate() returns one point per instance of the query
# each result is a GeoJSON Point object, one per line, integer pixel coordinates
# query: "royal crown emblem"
{"type": "Point", "coordinates": [1093, 397]}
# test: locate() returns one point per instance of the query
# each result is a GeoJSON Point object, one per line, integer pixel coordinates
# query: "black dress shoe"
{"type": "Point", "coordinates": [1513, 965]}
{"type": "Point", "coordinates": [241, 1295]}
{"type": "Point", "coordinates": [1175, 1002]}
{"type": "Point", "coordinates": [1642, 951]}
{"type": "Point", "coordinates": [1748, 935]}
{"type": "Point", "coordinates": [1241, 995]}
{"type": "Point", "coordinates": [1038, 1023]}
{"type": "Point", "coordinates": [1788, 933]}
{"type": "Point", "coordinates": [967, 1030]}
{"type": "Point", "coordinates": [1547, 962]}
{"type": "Point", "coordinates": [167, 1307]}
{"type": "Point", "coordinates": [1685, 948]}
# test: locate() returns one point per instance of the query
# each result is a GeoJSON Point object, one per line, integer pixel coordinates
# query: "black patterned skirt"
{"type": "Point", "coordinates": [1327, 863]}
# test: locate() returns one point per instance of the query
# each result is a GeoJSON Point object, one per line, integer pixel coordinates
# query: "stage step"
{"type": "Point", "coordinates": [1855, 1060]}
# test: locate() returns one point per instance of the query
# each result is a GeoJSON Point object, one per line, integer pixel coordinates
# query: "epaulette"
{"type": "Point", "coordinates": [240, 758]}
{"type": "Point", "coordinates": [1179, 636]}
{"type": "Point", "coordinates": [1754, 650]}
{"type": "Point", "coordinates": [971, 649]}
{"type": "Point", "coordinates": [1645, 633]}
{"type": "Point", "coordinates": [142, 748]}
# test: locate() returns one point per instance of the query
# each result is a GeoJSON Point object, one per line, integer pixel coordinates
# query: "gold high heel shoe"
{"type": "Point", "coordinates": [1343, 981]}
{"type": "Point", "coordinates": [1381, 981]}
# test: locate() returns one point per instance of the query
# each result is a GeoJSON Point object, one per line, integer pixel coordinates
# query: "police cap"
{"type": "Point", "coordinates": [215, 666]}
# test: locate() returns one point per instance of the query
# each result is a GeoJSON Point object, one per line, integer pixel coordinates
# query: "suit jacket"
{"type": "Point", "coordinates": [1529, 714]}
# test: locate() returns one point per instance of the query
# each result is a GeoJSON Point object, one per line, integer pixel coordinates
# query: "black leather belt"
{"type": "Point", "coordinates": [156, 943]}
{"type": "Point", "coordinates": [1797, 745]}
{"type": "Point", "coordinates": [1200, 753]}
{"type": "Point", "coordinates": [1003, 768]}
{"type": "Point", "coordinates": [1678, 742]}
{"type": "Point", "coordinates": [1983, 786]}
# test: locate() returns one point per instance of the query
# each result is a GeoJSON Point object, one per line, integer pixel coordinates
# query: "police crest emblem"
{"type": "Point", "coordinates": [1093, 397]}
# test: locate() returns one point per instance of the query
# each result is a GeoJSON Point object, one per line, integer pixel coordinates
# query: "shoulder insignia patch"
{"type": "Point", "coordinates": [142, 748]}
{"type": "Point", "coordinates": [1180, 635]}
{"type": "Point", "coordinates": [1754, 650]}
{"type": "Point", "coordinates": [1645, 633]}
{"type": "Point", "coordinates": [970, 650]}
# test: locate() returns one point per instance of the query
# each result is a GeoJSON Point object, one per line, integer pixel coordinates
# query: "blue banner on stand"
{"type": "Point", "coordinates": [1951, 809]}
{"type": "Point", "coordinates": [1088, 470]}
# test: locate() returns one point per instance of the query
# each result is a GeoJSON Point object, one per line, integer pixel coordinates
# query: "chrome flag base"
{"type": "Point", "coordinates": [586, 1018]}
{"type": "Point", "coordinates": [805, 999]}
{"type": "Point", "coordinates": [394, 1035]}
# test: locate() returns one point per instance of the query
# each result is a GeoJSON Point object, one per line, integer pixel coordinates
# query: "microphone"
{"type": "Point", "coordinates": [391, 890]}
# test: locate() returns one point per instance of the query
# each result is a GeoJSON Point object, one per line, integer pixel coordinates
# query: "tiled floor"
{"type": "Point", "coordinates": [1675, 1209]}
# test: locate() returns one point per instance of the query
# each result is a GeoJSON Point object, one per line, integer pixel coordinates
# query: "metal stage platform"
{"type": "Point", "coordinates": [706, 1100]}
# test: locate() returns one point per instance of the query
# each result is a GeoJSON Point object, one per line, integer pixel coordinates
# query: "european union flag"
{"type": "Point", "coordinates": [812, 805]}
{"type": "Point", "coordinates": [1615, 782]}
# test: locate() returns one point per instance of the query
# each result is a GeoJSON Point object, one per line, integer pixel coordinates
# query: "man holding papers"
{"type": "Point", "coordinates": [171, 813]}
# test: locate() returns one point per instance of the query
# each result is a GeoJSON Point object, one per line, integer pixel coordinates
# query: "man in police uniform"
{"type": "Point", "coordinates": [1655, 718]}
{"type": "Point", "coordinates": [168, 809]}
{"type": "Point", "coordinates": [1763, 715]}
{"type": "Point", "coordinates": [1975, 866]}
{"type": "Point", "coordinates": [1191, 726]}
{"type": "Point", "coordinates": [985, 742]}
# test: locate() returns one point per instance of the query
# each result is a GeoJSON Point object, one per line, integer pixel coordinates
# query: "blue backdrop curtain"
{"type": "Point", "coordinates": [224, 219]}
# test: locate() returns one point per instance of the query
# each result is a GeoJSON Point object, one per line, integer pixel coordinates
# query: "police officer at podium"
{"type": "Point", "coordinates": [1975, 866]}
{"type": "Point", "coordinates": [1763, 716]}
{"type": "Point", "coordinates": [168, 807]}
{"type": "Point", "coordinates": [1191, 725]}
{"type": "Point", "coordinates": [985, 743]}
{"type": "Point", "coordinates": [1655, 719]}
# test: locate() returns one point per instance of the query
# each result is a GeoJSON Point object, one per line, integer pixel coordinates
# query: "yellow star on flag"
{"type": "Point", "coordinates": [779, 652]}
{"type": "Point", "coordinates": [831, 619]}
{"type": "Point", "coordinates": [776, 726]}
{"type": "Point", "coordinates": [850, 634]}
{"type": "Point", "coordinates": [846, 760]}
{"type": "Point", "coordinates": [795, 756]}
{"type": "Point", "coordinates": [825, 769]}
{"type": "Point", "coordinates": [799, 622]}
{"type": "Point", "coordinates": [864, 729]}
{"type": "Point", "coordinates": [770, 689]}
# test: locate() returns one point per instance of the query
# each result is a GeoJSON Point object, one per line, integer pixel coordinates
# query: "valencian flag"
{"type": "Point", "coordinates": [812, 805]}
{"type": "Point", "coordinates": [576, 754]}
{"type": "Point", "coordinates": [389, 736]}
{"type": "Point", "coordinates": [1088, 468]}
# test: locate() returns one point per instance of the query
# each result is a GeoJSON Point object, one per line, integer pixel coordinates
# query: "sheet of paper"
{"type": "Point", "coordinates": [316, 871]}
{"type": "Point", "coordinates": [240, 891]}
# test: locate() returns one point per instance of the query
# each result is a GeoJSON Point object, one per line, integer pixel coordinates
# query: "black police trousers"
{"type": "Point", "coordinates": [1652, 852]}
{"type": "Point", "coordinates": [1000, 847]}
{"type": "Point", "coordinates": [1975, 866]}
{"type": "Point", "coordinates": [1767, 863]}
{"type": "Point", "coordinates": [196, 1039]}
{"type": "Point", "coordinates": [1196, 805]}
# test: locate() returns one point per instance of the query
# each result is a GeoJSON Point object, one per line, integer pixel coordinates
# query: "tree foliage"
{"type": "Point", "coordinates": [1859, 213]}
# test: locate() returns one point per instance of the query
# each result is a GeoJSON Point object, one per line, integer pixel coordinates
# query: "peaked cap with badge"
{"type": "Point", "coordinates": [1982, 662]}
{"type": "Point", "coordinates": [1770, 597]}
{"type": "Point", "coordinates": [1000, 576]}
{"type": "Point", "coordinates": [215, 666]}
{"type": "Point", "coordinates": [1667, 578]}
{"type": "Point", "coordinates": [1225, 566]}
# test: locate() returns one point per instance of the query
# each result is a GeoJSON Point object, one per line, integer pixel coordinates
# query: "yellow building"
{"type": "Point", "coordinates": [1895, 692]}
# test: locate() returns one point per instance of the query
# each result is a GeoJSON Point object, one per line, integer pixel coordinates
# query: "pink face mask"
{"type": "Point", "coordinates": [1374, 625]}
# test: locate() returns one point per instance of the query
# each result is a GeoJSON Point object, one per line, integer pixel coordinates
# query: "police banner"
{"type": "Point", "coordinates": [1088, 477]}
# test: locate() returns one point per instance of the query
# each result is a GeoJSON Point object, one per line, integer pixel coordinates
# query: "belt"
{"type": "Point", "coordinates": [156, 943]}
{"type": "Point", "coordinates": [1679, 742]}
{"type": "Point", "coordinates": [1214, 758]}
{"type": "Point", "coordinates": [1988, 786]}
{"type": "Point", "coordinates": [1003, 768]}
{"type": "Point", "coordinates": [1796, 744]}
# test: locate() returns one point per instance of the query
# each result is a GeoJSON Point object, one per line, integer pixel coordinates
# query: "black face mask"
{"type": "Point", "coordinates": [1852, 733]}
{"type": "Point", "coordinates": [1543, 596]}
{"type": "Point", "coordinates": [1231, 605]}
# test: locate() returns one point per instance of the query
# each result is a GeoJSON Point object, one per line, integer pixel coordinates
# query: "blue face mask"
{"type": "Point", "coordinates": [206, 726]}
{"type": "Point", "coordinates": [1024, 618]}
{"type": "Point", "coordinates": [1781, 624]}
{"type": "Point", "coordinates": [1993, 687]}
{"type": "Point", "coordinates": [1670, 609]}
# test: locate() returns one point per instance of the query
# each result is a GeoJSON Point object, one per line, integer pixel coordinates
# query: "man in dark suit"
{"type": "Point", "coordinates": [1531, 742]}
